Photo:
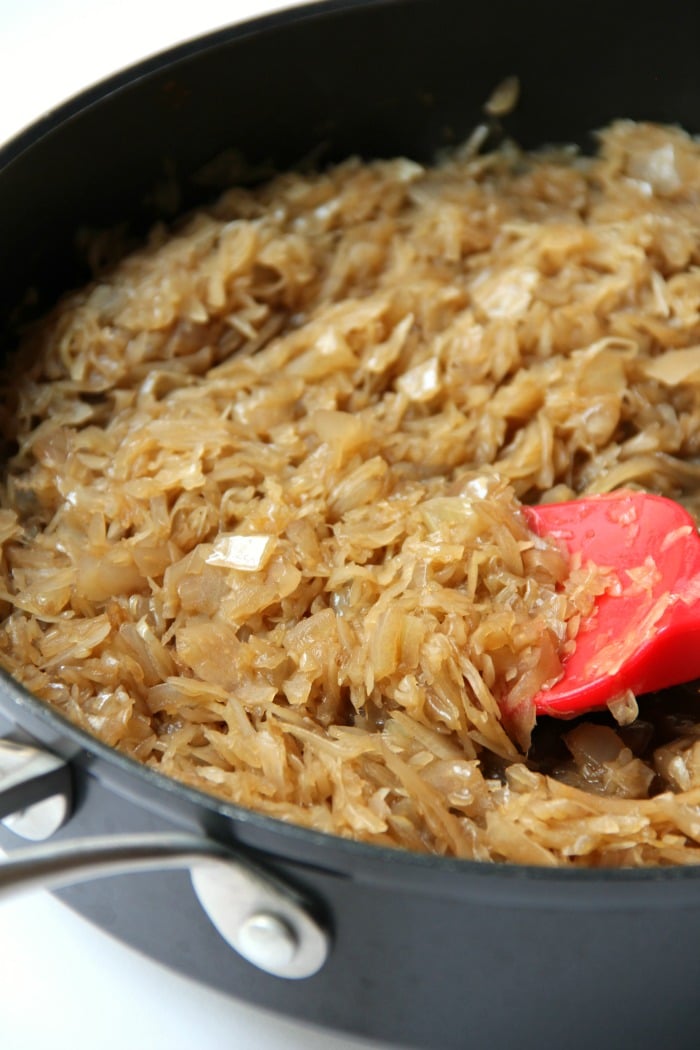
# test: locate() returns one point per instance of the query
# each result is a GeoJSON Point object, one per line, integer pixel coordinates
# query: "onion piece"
{"type": "Point", "coordinates": [245, 553]}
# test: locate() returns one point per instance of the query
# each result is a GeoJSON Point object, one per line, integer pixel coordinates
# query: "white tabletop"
{"type": "Point", "coordinates": [63, 983]}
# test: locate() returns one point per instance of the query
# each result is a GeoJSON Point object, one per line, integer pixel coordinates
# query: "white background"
{"type": "Point", "coordinates": [64, 985]}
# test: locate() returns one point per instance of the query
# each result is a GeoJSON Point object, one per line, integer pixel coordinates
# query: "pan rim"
{"type": "Point", "coordinates": [97, 92]}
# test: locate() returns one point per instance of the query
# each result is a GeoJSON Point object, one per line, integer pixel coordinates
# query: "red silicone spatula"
{"type": "Point", "coordinates": [645, 634]}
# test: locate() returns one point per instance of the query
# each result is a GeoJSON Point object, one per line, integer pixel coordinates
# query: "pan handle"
{"type": "Point", "coordinates": [270, 923]}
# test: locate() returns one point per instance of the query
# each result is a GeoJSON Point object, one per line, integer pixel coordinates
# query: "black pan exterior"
{"type": "Point", "coordinates": [427, 952]}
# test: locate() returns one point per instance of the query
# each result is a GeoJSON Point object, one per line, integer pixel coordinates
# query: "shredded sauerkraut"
{"type": "Point", "coordinates": [260, 521]}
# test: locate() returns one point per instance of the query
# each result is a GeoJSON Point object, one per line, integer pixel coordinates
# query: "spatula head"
{"type": "Point", "coordinates": [643, 634]}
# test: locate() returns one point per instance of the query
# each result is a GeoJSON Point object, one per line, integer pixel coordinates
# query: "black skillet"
{"type": "Point", "coordinates": [419, 951]}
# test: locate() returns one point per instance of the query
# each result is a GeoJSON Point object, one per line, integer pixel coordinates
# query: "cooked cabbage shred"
{"type": "Point", "coordinates": [260, 519]}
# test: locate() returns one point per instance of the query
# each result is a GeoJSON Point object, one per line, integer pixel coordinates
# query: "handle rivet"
{"type": "Point", "coordinates": [267, 941]}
